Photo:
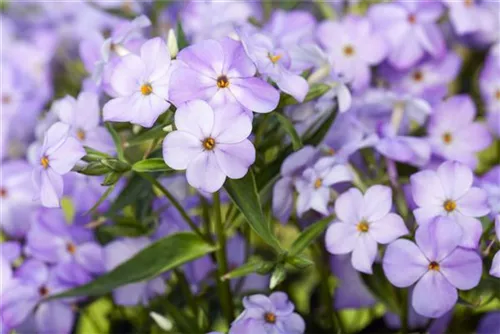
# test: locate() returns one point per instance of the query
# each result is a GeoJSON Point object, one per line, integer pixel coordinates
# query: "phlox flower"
{"type": "Point", "coordinates": [449, 192]}
{"type": "Point", "coordinates": [220, 72]}
{"type": "Point", "coordinates": [57, 156]}
{"type": "Point", "coordinates": [363, 222]}
{"type": "Point", "coordinates": [210, 143]}
{"type": "Point", "coordinates": [141, 83]}
{"type": "Point", "coordinates": [437, 265]}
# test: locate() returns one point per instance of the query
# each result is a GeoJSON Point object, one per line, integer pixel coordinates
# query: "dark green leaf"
{"type": "Point", "coordinates": [315, 91]}
{"type": "Point", "coordinates": [151, 165]}
{"type": "Point", "coordinates": [299, 262]}
{"type": "Point", "coordinates": [153, 133]}
{"type": "Point", "coordinates": [136, 188]}
{"type": "Point", "coordinates": [243, 193]}
{"type": "Point", "coordinates": [159, 257]}
{"type": "Point", "coordinates": [252, 266]}
{"type": "Point", "coordinates": [127, 227]}
{"type": "Point", "coordinates": [111, 179]}
{"type": "Point", "coordinates": [94, 155]}
{"type": "Point", "coordinates": [102, 199]}
{"type": "Point", "coordinates": [116, 139]}
{"type": "Point", "coordinates": [93, 168]}
{"type": "Point", "coordinates": [309, 235]}
{"type": "Point", "coordinates": [116, 165]}
{"type": "Point", "coordinates": [290, 129]}
{"type": "Point", "coordinates": [182, 41]}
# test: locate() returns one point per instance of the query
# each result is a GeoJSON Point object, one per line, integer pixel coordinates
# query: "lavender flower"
{"type": "Point", "coordinates": [273, 314]}
{"type": "Point", "coordinates": [454, 135]}
{"type": "Point", "coordinates": [315, 184]}
{"type": "Point", "coordinates": [356, 49]}
{"type": "Point", "coordinates": [57, 156]}
{"type": "Point", "coordinates": [489, 324]}
{"type": "Point", "coordinates": [220, 72]}
{"type": "Point", "coordinates": [469, 16]}
{"type": "Point", "coordinates": [363, 221]}
{"type": "Point", "coordinates": [449, 192]}
{"type": "Point", "coordinates": [495, 265]}
{"type": "Point", "coordinates": [141, 83]}
{"type": "Point", "coordinates": [210, 144]}
{"type": "Point", "coordinates": [119, 251]}
{"type": "Point", "coordinates": [489, 83]}
{"type": "Point", "coordinates": [436, 263]}
{"type": "Point", "coordinates": [83, 117]}
{"type": "Point", "coordinates": [411, 29]}
{"type": "Point", "coordinates": [489, 182]}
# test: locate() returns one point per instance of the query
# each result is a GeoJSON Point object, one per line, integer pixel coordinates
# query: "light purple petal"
{"type": "Point", "coordinates": [407, 53]}
{"type": "Point", "coordinates": [298, 160]}
{"type": "Point", "coordinates": [51, 188]}
{"type": "Point", "coordinates": [404, 263]}
{"type": "Point", "coordinates": [293, 84]}
{"type": "Point", "coordinates": [255, 94]}
{"type": "Point", "coordinates": [231, 124]}
{"type": "Point", "coordinates": [474, 203]}
{"type": "Point", "coordinates": [348, 206]}
{"type": "Point", "coordinates": [55, 137]}
{"type": "Point", "coordinates": [438, 238]}
{"type": "Point", "coordinates": [456, 179]}
{"type": "Point", "coordinates": [495, 265]}
{"type": "Point", "coordinates": [236, 62]}
{"type": "Point", "coordinates": [475, 137]}
{"type": "Point", "coordinates": [235, 159]}
{"type": "Point", "coordinates": [364, 253]}
{"type": "Point", "coordinates": [130, 295]}
{"type": "Point", "coordinates": [65, 109]}
{"type": "Point", "coordinates": [90, 256]}
{"type": "Point", "coordinates": [462, 268]}
{"type": "Point", "coordinates": [341, 238]}
{"type": "Point", "coordinates": [426, 189]}
{"type": "Point", "coordinates": [66, 156]}
{"type": "Point", "coordinates": [187, 85]}
{"type": "Point", "coordinates": [87, 112]}
{"type": "Point", "coordinates": [120, 109]}
{"type": "Point", "coordinates": [283, 199]}
{"type": "Point", "coordinates": [337, 174]}
{"type": "Point", "coordinates": [433, 295]}
{"type": "Point", "coordinates": [206, 57]}
{"type": "Point", "coordinates": [180, 148]}
{"type": "Point", "coordinates": [388, 229]}
{"type": "Point", "coordinates": [377, 203]}
{"type": "Point", "coordinates": [54, 317]}
{"type": "Point", "coordinates": [282, 303]}
{"type": "Point", "coordinates": [258, 301]}
{"type": "Point", "coordinates": [431, 38]}
{"type": "Point", "coordinates": [127, 75]}
{"type": "Point", "coordinates": [204, 173]}
{"type": "Point", "coordinates": [195, 117]}
{"type": "Point", "coordinates": [294, 324]}
{"type": "Point", "coordinates": [156, 58]}
{"type": "Point", "coordinates": [17, 303]}
{"type": "Point", "coordinates": [472, 230]}
{"type": "Point", "coordinates": [427, 214]}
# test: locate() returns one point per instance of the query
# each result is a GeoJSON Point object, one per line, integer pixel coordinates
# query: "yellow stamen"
{"type": "Point", "coordinates": [348, 50]}
{"type": "Point", "coordinates": [318, 183]}
{"type": "Point", "coordinates": [275, 58]}
{"type": "Point", "coordinates": [469, 3]}
{"type": "Point", "coordinates": [209, 144]}
{"type": "Point", "coordinates": [362, 226]}
{"type": "Point", "coordinates": [3, 192]}
{"type": "Point", "coordinates": [222, 82]}
{"type": "Point", "coordinates": [497, 94]}
{"type": "Point", "coordinates": [71, 248]}
{"type": "Point", "coordinates": [270, 317]}
{"type": "Point", "coordinates": [6, 99]}
{"type": "Point", "coordinates": [43, 291]}
{"type": "Point", "coordinates": [449, 205]}
{"type": "Point", "coordinates": [146, 89]}
{"type": "Point", "coordinates": [44, 161]}
{"type": "Point", "coordinates": [412, 18]}
{"type": "Point", "coordinates": [80, 134]}
{"type": "Point", "coordinates": [434, 266]}
{"type": "Point", "coordinates": [418, 76]}
{"type": "Point", "coordinates": [447, 138]}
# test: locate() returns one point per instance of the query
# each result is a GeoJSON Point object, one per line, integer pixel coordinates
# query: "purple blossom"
{"type": "Point", "coordinates": [449, 192]}
{"type": "Point", "coordinates": [469, 16]}
{"type": "Point", "coordinates": [411, 30]}
{"type": "Point", "coordinates": [292, 168]}
{"type": "Point", "coordinates": [291, 28]}
{"type": "Point", "coordinates": [83, 116]}
{"type": "Point", "coordinates": [273, 314]}
{"type": "Point", "coordinates": [489, 323]}
{"type": "Point", "coordinates": [273, 62]}
{"type": "Point", "coordinates": [356, 48]}
{"type": "Point", "coordinates": [495, 265]}
{"type": "Point", "coordinates": [489, 83]}
{"type": "Point", "coordinates": [489, 182]}
{"type": "Point", "coordinates": [210, 144]}
{"type": "Point", "coordinates": [436, 263]}
{"type": "Point", "coordinates": [314, 186]}
{"type": "Point", "coordinates": [363, 221]}
{"type": "Point", "coordinates": [141, 83]}
{"type": "Point", "coordinates": [18, 305]}
{"type": "Point", "coordinates": [119, 251]}
{"type": "Point", "coordinates": [220, 72]}
{"type": "Point", "coordinates": [453, 134]}
{"type": "Point", "coordinates": [57, 156]}
{"type": "Point", "coordinates": [16, 194]}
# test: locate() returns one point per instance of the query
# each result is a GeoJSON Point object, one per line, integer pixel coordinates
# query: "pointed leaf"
{"type": "Point", "coordinates": [159, 257]}
{"type": "Point", "coordinates": [290, 129]}
{"type": "Point", "coordinates": [309, 235]}
{"type": "Point", "coordinates": [151, 165]}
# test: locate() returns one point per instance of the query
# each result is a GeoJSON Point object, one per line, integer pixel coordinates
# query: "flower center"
{"type": "Point", "coordinates": [412, 18]}
{"type": "Point", "coordinates": [3, 192]}
{"type": "Point", "coordinates": [222, 82]}
{"type": "Point", "coordinates": [318, 183]}
{"type": "Point", "coordinates": [6, 99]}
{"type": "Point", "coordinates": [43, 291]}
{"type": "Point", "coordinates": [497, 94]}
{"type": "Point", "coordinates": [469, 3]}
{"type": "Point", "coordinates": [270, 317]}
{"type": "Point", "coordinates": [71, 248]}
{"type": "Point", "coordinates": [449, 205]}
{"type": "Point", "coordinates": [434, 266]}
{"type": "Point", "coordinates": [44, 161]}
{"type": "Point", "coordinates": [418, 76]}
{"type": "Point", "coordinates": [349, 50]}
{"type": "Point", "coordinates": [209, 143]}
{"type": "Point", "coordinates": [362, 226]}
{"type": "Point", "coordinates": [274, 59]}
{"type": "Point", "coordinates": [80, 134]}
{"type": "Point", "coordinates": [447, 138]}
{"type": "Point", "coordinates": [146, 89]}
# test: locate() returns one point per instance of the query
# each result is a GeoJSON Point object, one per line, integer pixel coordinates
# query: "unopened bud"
{"type": "Point", "coordinates": [172, 43]}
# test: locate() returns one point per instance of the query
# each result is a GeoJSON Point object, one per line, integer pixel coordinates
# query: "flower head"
{"type": "Point", "coordinates": [210, 144]}
{"type": "Point", "coordinates": [436, 263]}
{"type": "Point", "coordinates": [449, 192]}
{"type": "Point", "coordinates": [363, 221]}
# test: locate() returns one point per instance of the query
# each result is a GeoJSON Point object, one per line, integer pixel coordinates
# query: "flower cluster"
{"type": "Point", "coordinates": [218, 165]}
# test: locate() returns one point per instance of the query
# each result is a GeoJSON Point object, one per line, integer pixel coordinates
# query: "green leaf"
{"type": "Point", "coordinates": [93, 168]}
{"type": "Point", "coordinates": [159, 257]}
{"type": "Point", "coordinates": [299, 262]}
{"type": "Point", "coordinates": [182, 41]}
{"type": "Point", "coordinates": [243, 193]}
{"type": "Point", "coordinates": [116, 139]}
{"type": "Point", "coordinates": [153, 133]}
{"type": "Point", "coordinates": [315, 91]}
{"type": "Point", "coordinates": [111, 179]}
{"type": "Point", "coordinates": [116, 165]}
{"type": "Point", "coordinates": [151, 165]}
{"type": "Point", "coordinates": [290, 129]}
{"type": "Point", "coordinates": [278, 276]}
{"type": "Point", "coordinates": [94, 155]}
{"type": "Point", "coordinates": [135, 188]}
{"type": "Point", "coordinates": [309, 235]}
{"type": "Point", "coordinates": [128, 226]}
{"type": "Point", "coordinates": [252, 266]}
{"type": "Point", "coordinates": [95, 317]}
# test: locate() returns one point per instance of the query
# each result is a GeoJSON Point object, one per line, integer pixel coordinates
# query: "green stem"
{"type": "Point", "coordinates": [186, 291]}
{"type": "Point", "coordinates": [404, 311]}
{"type": "Point", "coordinates": [176, 204]}
{"type": "Point", "coordinates": [222, 267]}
